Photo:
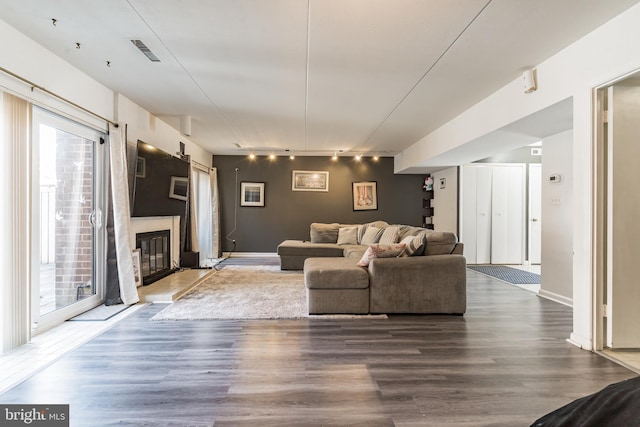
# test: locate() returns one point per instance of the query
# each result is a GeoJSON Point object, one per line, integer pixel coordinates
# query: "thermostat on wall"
{"type": "Point", "coordinates": [555, 178]}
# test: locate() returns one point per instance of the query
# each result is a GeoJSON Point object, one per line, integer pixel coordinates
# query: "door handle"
{"type": "Point", "coordinates": [95, 219]}
{"type": "Point", "coordinates": [534, 219]}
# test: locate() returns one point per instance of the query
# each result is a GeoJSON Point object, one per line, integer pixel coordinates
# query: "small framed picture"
{"type": "Point", "coordinates": [141, 167]}
{"type": "Point", "coordinates": [365, 197]}
{"type": "Point", "coordinates": [252, 194]}
{"type": "Point", "coordinates": [310, 181]}
{"type": "Point", "coordinates": [179, 188]}
{"type": "Point", "coordinates": [137, 271]}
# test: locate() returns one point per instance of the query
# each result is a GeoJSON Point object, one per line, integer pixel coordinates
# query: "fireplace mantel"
{"type": "Point", "coordinates": [158, 223]}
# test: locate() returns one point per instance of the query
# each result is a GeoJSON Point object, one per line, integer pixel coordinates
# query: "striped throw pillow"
{"type": "Point", "coordinates": [390, 235]}
{"type": "Point", "coordinates": [415, 244]}
{"type": "Point", "coordinates": [371, 235]}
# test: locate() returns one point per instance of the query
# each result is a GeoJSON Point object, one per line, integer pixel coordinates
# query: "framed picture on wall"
{"type": "Point", "coordinates": [141, 167]}
{"type": "Point", "coordinates": [365, 196]}
{"type": "Point", "coordinates": [252, 194]}
{"type": "Point", "coordinates": [137, 271]}
{"type": "Point", "coordinates": [310, 181]}
{"type": "Point", "coordinates": [179, 188]}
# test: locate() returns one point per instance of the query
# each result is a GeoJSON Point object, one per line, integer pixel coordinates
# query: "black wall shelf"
{"type": "Point", "coordinates": [427, 214]}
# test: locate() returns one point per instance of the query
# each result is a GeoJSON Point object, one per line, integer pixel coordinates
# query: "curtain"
{"type": "Point", "coordinates": [15, 123]}
{"type": "Point", "coordinates": [204, 214]}
{"type": "Point", "coordinates": [193, 214]}
{"type": "Point", "coordinates": [215, 213]}
{"type": "Point", "coordinates": [112, 284]}
{"type": "Point", "coordinates": [121, 214]}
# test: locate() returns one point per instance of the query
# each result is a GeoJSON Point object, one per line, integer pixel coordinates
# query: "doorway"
{"type": "Point", "coordinates": [493, 213]}
{"type": "Point", "coordinates": [68, 199]}
{"type": "Point", "coordinates": [535, 214]}
{"type": "Point", "coordinates": [618, 296]}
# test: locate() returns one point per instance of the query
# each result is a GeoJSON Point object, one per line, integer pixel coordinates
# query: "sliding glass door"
{"type": "Point", "coordinates": [68, 198]}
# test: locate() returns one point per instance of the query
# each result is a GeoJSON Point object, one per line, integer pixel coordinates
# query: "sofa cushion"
{"type": "Point", "coordinates": [381, 251]}
{"type": "Point", "coordinates": [324, 233]}
{"type": "Point", "coordinates": [440, 242]}
{"type": "Point", "coordinates": [348, 235]}
{"type": "Point", "coordinates": [390, 235]}
{"type": "Point", "coordinates": [307, 249]}
{"type": "Point", "coordinates": [334, 273]}
{"type": "Point", "coordinates": [414, 245]}
{"type": "Point", "coordinates": [353, 251]}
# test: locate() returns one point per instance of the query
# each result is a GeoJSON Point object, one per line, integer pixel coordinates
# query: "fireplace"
{"type": "Point", "coordinates": [158, 239]}
{"type": "Point", "coordinates": [155, 258]}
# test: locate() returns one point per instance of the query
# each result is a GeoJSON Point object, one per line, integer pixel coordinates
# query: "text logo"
{"type": "Point", "coordinates": [34, 415]}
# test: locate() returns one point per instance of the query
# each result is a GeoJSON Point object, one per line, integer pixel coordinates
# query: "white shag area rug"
{"type": "Point", "coordinates": [247, 292]}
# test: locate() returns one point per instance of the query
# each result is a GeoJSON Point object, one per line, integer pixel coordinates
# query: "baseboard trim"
{"type": "Point", "coordinates": [556, 298]}
{"type": "Point", "coordinates": [578, 341]}
{"type": "Point", "coordinates": [249, 254]}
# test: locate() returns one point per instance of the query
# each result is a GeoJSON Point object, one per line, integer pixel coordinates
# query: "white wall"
{"type": "Point", "coordinates": [557, 217]}
{"type": "Point", "coordinates": [445, 200]}
{"type": "Point", "coordinates": [24, 57]}
{"type": "Point", "coordinates": [598, 58]}
{"type": "Point", "coordinates": [141, 125]}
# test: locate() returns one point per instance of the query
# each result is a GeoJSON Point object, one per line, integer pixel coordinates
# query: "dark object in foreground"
{"type": "Point", "coordinates": [615, 405]}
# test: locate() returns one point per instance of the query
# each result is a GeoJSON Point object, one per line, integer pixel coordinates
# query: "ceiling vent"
{"type": "Point", "coordinates": [145, 50]}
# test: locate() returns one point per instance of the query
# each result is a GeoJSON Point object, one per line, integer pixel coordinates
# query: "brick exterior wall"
{"type": "Point", "coordinates": [73, 231]}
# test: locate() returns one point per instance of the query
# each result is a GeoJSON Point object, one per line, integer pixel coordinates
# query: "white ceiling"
{"type": "Point", "coordinates": [370, 76]}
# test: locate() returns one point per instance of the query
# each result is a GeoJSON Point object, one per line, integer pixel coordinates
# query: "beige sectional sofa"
{"type": "Point", "coordinates": [430, 281]}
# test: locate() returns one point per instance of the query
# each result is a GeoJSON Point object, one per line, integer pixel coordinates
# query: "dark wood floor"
{"type": "Point", "coordinates": [505, 363]}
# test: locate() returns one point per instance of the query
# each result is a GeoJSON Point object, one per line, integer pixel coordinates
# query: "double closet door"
{"type": "Point", "coordinates": [493, 213]}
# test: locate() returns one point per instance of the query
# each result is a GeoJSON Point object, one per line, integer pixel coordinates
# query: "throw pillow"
{"type": "Point", "coordinates": [348, 236]}
{"type": "Point", "coordinates": [390, 235]}
{"type": "Point", "coordinates": [380, 251]}
{"type": "Point", "coordinates": [363, 228]}
{"type": "Point", "coordinates": [414, 244]}
{"type": "Point", "coordinates": [371, 236]}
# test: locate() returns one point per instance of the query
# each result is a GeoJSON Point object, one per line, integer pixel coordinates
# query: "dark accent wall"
{"type": "Point", "coordinates": [288, 214]}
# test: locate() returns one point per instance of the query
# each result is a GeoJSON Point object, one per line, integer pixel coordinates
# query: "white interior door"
{"type": "Point", "coordinates": [623, 210]}
{"type": "Point", "coordinates": [468, 229]}
{"type": "Point", "coordinates": [535, 213]}
{"type": "Point", "coordinates": [507, 208]}
{"type": "Point", "coordinates": [483, 214]}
